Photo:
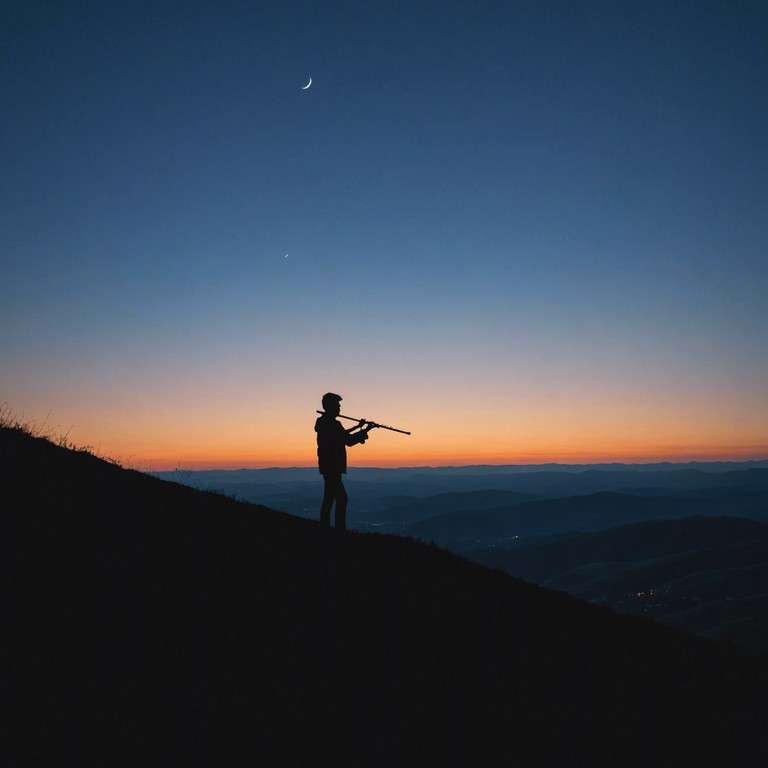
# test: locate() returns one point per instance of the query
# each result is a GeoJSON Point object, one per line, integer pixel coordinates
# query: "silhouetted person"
{"type": "Point", "coordinates": [332, 442]}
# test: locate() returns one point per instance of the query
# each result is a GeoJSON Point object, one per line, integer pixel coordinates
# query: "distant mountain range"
{"type": "Point", "coordinates": [396, 474]}
{"type": "Point", "coordinates": [150, 623]}
{"type": "Point", "coordinates": [297, 490]}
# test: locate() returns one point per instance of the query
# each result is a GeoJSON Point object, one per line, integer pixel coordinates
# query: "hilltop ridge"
{"type": "Point", "coordinates": [158, 624]}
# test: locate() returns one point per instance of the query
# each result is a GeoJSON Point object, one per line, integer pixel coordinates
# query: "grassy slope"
{"type": "Point", "coordinates": [157, 625]}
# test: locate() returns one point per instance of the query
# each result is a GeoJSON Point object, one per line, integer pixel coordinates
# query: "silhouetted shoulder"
{"type": "Point", "coordinates": [325, 424]}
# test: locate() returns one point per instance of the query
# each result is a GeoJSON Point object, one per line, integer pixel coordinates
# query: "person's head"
{"type": "Point", "coordinates": [332, 403]}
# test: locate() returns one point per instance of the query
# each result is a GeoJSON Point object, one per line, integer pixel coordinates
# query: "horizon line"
{"type": "Point", "coordinates": [661, 462]}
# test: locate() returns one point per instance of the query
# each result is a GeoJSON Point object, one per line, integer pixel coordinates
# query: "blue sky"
{"type": "Point", "coordinates": [548, 217]}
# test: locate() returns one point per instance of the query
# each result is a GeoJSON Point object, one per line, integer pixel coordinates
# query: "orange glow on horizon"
{"type": "Point", "coordinates": [202, 460]}
{"type": "Point", "coordinates": [456, 444]}
{"type": "Point", "coordinates": [237, 434]}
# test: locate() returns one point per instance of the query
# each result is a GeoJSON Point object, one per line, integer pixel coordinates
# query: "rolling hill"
{"type": "Point", "coordinates": [404, 514]}
{"type": "Point", "coordinates": [624, 543]}
{"type": "Point", "coordinates": [706, 575]}
{"type": "Point", "coordinates": [462, 530]}
{"type": "Point", "coordinates": [154, 624]}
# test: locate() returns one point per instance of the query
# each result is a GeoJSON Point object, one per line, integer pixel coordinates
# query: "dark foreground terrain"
{"type": "Point", "coordinates": [153, 624]}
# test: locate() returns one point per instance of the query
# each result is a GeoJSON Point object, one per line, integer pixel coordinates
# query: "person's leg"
{"type": "Point", "coordinates": [341, 506]}
{"type": "Point", "coordinates": [329, 493]}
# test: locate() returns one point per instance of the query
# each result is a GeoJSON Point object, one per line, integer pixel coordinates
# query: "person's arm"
{"type": "Point", "coordinates": [360, 424]}
{"type": "Point", "coordinates": [358, 437]}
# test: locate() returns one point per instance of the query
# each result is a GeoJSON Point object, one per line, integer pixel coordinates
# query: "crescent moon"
{"type": "Point", "coordinates": [304, 87]}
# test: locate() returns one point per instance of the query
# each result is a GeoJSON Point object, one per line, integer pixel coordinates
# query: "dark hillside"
{"type": "Point", "coordinates": [152, 624]}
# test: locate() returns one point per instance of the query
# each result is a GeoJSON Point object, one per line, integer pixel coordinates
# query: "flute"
{"type": "Point", "coordinates": [372, 423]}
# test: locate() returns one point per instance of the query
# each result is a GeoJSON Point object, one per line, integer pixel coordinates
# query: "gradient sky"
{"type": "Point", "coordinates": [526, 231]}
